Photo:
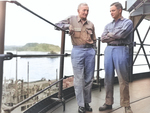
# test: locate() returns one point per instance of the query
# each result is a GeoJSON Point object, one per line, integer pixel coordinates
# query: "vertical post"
{"type": "Point", "coordinates": [131, 51]}
{"type": "Point", "coordinates": [98, 62]}
{"type": "Point", "coordinates": [22, 95]}
{"type": "Point", "coordinates": [28, 81]}
{"type": "Point", "coordinates": [2, 25]}
{"type": "Point", "coordinates": [16, 67]}
{"type": "Point", "coordinates": [61, 65]}
{"type": "Point", "coordinates": [2, 34]}
{"type": "Point", "coordinates": [56, 77]}
{"type": "Point", "coordinates": [16, 83]}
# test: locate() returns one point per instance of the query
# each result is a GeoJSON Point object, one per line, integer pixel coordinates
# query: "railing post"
{"type": "Point", "coordinates": [2, 33]}
{"type": "Point", "coordinates": [98, 62]}
{"type": "Point", "coordinates": [61, 65]}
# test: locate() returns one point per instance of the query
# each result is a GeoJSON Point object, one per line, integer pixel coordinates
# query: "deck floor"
{"type": "Point", "coordinates": [139, 97]}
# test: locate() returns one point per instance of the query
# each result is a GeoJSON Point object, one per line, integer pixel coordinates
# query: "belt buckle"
{"type": "Point", "coordinates": [87, 46]}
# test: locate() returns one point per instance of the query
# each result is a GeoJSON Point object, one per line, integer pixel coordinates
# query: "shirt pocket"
{"type": "Point", "coordinates": [108, 30]}
{"type": "Point", "coordinates": [77, 32]}
{"type": "Point", "coordinates": [119, 27]}
{"type": "Point", "coordinates": [89, 32]}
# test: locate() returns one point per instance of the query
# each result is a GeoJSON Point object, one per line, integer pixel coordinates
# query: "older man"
{"type": "Point", "coordinates": [83, 39]}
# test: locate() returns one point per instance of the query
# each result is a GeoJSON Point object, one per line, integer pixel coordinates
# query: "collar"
{"type": "Point", "coordinates": [79, 20]}
{"type": "Point", "coordinates": [122, 18]}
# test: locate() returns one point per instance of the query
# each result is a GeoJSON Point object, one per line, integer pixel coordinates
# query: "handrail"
{"type": "Point", "coordinates": [24, 101]}
{"type": "Point", "coordinates": [17, 3]}
{"type": "Point", "coordinates": [10, 55]}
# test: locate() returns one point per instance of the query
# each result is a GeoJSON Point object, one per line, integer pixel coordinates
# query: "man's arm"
{"type": "Point", "coordinates": [64, 24]}
{"type": "Point", "coordinates": [105, 38]}
{"type": "Point", "coordinates": [94, 38]}
{"type": "Point", "coordinates": [122, 32]}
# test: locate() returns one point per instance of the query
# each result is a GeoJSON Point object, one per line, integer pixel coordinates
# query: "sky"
{"type": "Point", "coordinates": [23, 27]}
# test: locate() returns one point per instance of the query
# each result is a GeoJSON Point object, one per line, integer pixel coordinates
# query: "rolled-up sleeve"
{"type": "Point", "coordinates": [64, 24]}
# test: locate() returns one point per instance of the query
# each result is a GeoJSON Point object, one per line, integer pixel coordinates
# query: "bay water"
{"type": "Point", "coordinates": [37, 68]}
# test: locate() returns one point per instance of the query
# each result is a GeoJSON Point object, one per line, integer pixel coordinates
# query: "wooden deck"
{"type": "Point", "coordinates": [139, 97]}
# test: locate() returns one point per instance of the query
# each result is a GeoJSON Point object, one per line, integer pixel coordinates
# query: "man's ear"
{"type": "Point", "coordinates": [120, 10]}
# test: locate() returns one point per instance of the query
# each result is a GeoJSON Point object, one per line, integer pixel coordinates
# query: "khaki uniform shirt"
{"type": "Point", "coordinates": [83, 33]}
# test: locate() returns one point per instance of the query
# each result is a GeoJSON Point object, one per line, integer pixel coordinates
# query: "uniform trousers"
{"type": "Point", "coordinates": [83, 62]}
{"type": "Point", "coordinates": [117, 58]}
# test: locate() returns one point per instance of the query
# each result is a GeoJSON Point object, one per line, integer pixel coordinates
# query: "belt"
{"type": "Point", "coordinates": [83, 46]}
{"type": "Point", "coordinates": [117, 44]}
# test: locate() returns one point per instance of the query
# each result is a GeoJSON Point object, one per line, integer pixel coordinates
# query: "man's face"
{"type": "Point", "coordinates": [83, 11]}
{"type": "Point", "coordinates": [115, 13]}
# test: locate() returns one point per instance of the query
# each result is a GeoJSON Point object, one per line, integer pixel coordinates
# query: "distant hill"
{"type": "Point", "coordinates": [35, 47]}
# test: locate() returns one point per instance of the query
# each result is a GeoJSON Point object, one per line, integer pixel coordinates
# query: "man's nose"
{"type": "Point", "coordinates": [86, 12]}
{"type": "Point", "coordinates": [111, 13]}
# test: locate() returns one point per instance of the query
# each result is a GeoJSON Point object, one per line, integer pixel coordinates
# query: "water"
{"type": "Point", "coordinates": [48, 68]}
{"type": "Point", "coordinates": [41, 67]}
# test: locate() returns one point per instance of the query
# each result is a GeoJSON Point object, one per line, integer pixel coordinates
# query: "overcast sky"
{"type": "Point", "coordinates": [23, 27]}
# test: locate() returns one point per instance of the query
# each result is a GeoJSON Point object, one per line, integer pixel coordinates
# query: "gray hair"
{"type": "Point", "coordinates": [118, 5]}
{"type": "Point", "coordinates": [85, 4]}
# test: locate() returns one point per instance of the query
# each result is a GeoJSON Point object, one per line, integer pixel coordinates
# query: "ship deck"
{"type": "Point", "coordinates": [139, 98]}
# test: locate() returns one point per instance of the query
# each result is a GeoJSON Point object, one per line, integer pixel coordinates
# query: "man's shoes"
{"type": "Point", "coordinates": [128, 110]}
{"type": "Point", "coordinates": [87, 107]}
{"type": "Point", "coordinates": [81, 109]}
{"type": "Point", "coordinates": [105, 107]}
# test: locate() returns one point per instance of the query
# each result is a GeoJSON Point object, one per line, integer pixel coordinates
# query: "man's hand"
{"type": "Point", "coordinates": [110, 35]}
{"type": "Point", "coordinates": [107, 39]}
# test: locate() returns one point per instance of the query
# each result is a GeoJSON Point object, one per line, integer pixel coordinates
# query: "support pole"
{"type": "Point", "coordinates": [61, 64]}
{"type": "Point", "coordinates": [28, 81]}
{"type": "Point", "coordinates": [2, 25]}
{"type": "Point", "coordinates": [61, 69]}
{"type": "Point", "coordinates": [98, 63]}
{"type": "Point", "coordinates": [2, 33]}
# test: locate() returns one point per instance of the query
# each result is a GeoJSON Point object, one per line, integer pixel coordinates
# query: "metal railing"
{"type": "Point", "coordinates": [2, 34]}
{"type": "Point", "coordinates": [9, 56]}
{"type": "Point", "coordinates": [8, 110]}
{"type": "Point", "coordinates": [62, 46]}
